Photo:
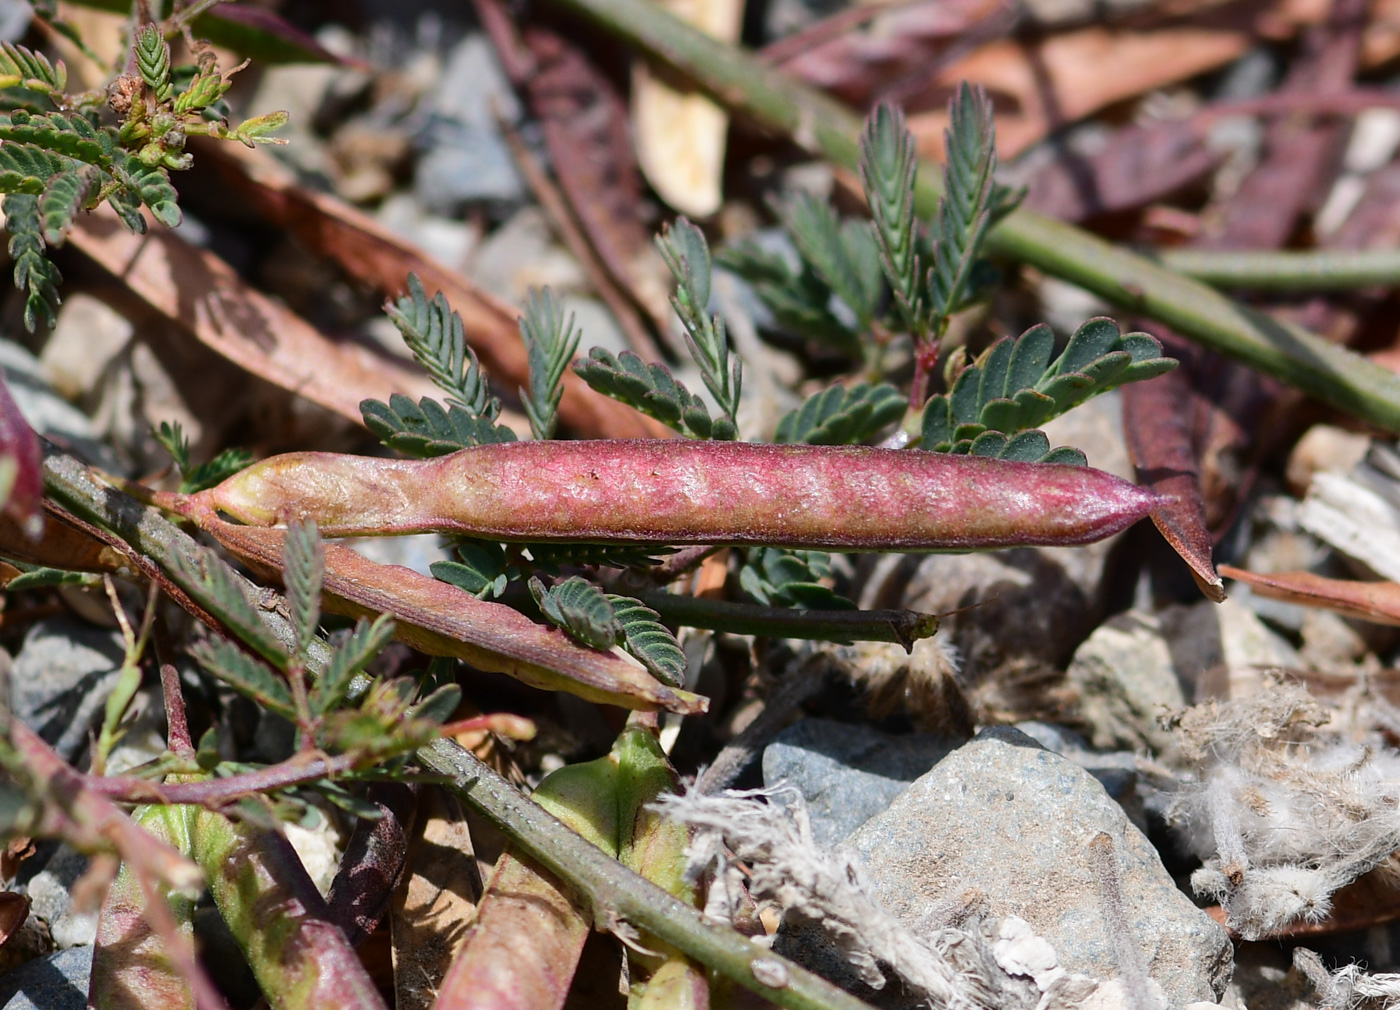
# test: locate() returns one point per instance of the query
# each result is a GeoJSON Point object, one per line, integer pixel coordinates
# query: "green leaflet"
{"type": "Point", "coordinates": [644, 636]}
{"type": "Point", "coordinates": [777, 577]}
{"type": "Point", "coordinates": [34, 273]}
{"type": "Point", "coordinates": [888, 166]}
{"type": "Point", "coordinates": [303, 569]}
{"type": "Point", "coordinates": [550, 341]}
{"type": "Point", "coordinates": [971, 204]}
{"type": "Point", "coordinates": [579, 608]}
{"type": "Point", "coordinates": [245, 675]}
{"type": "Point", "coordinates": [349, 658]}
{"type": "Point", "coordinates": [1013, 386]}
{"type": "Point", "coordinates": [650, 389]}
{"type": "Point", "coordinates": [433, 332]}
{"type": "Point", "coordinates": [426, 429]}
{"type": "Point", "coordinates": [70, 135]}
{"type": "Point", "coordinates": [842, 415]}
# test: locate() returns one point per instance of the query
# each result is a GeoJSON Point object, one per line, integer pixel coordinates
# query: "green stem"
{"type": "Point", "coordinates": [616, 893]}
{"type": "Point", "coordinates": [1313, 270]}
{"type": "Point", "coordinates": [904, 627]}
{"type": "Point", "coordinates": [825, 127]}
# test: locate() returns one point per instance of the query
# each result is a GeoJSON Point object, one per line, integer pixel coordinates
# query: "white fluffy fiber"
{"type": "Point", "coordinates": [1291, 801]}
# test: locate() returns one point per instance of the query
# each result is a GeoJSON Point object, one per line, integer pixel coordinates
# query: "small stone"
{"type": "Point", "coordinates": [847, 773]}
{"type": "Point", "coordinates": [50, 891]}
{"type": "Point", "coordinates": [61, 678]}
{"type": "Point", "coordinates": [1007, 818]}
{"type": "Point", "coordinates": [1126, 679]}
{"type": "Point", "coordinates": [47, 412]}
{"type": "Point", "coordinates": [56, 982]}
{"type": "Point", "coordinates": [88, 335]}
{"type": "Point", "coordinates": [1323, 447]}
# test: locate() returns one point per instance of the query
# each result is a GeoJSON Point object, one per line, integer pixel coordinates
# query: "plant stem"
{"type": "Point", "coordinates": [1313, 270]}
{"type": "Point", "coordinates": [825, 127]}
{"type": "Point", "coordinates": [616, 893]}
{"type": "Point", "coordinates": [904, 627]}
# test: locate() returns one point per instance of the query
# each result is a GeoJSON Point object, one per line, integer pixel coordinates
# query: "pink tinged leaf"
{"type": "Point", "coordinates": [1156, 420]}
{"type": "Point", "coordinates": [442, 620]}
{"type": "Point", "coordinates": [524, 947]}
{"type": "Point", "coordinates": [14, 910]}
{"type": "Point", "coordinates": [1377, 602]}
{"type": "Point", "coordinates": [671, 492]}
{"type": "Point", "coordinates": [21, 477]}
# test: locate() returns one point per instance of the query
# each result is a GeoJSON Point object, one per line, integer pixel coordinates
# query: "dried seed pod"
{"type": "Point", "coordinates": [674, 492]}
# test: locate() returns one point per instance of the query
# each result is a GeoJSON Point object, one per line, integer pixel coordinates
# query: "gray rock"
{"type": "Point", "coordinates": [848, 773]}
{"type": "Point", "coordinates": [1004, 817]}
{"type": "Point", "coordinates": [47, 412]}
{"type": "Point", "coordinates": [464, 163]}
{"type": "Point", "coordinates": [1126, 680]}
{"type": "Point", "coordinates": [51, 892]}
{"type": "Point", "coordinates": [56, 982]}
{"type": "Point", "coordinates": [465, 158]}
{"type": "Point", "coordinates": [61, 679]}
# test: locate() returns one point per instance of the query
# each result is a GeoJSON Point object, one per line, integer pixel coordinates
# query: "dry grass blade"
{"type": "Point", "coordinates": [375, 256]}
{"type": "Point", "coordinates": [1378, 602]}
{"type": "Point", "coordinates": [204, 295]}
{"type": "Point", "coordinates": [1157, 422]}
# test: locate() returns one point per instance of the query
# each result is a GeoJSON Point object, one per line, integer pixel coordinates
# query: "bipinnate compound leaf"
{"type": "Point", "coordinates": [24, 68]}
{"type": "Point", "coordinates": [1013, 386]}
{"type": "Point", "coordinates": [651, 389]}
{"type": "Point", "coordinates": [433, 332]}
{"type": "Point", "coordinates": [578, 607]}
{"type": "Point", "coordinates": [149, 183]}
{"type": "Point", "coordinates": [245, 675]}
{"type": "Point", "coordinates": [798, 300]}
{"type": "Point", "coordinates": [842, 415]}
{"type": "Point", "coordinates": [844, 255]}
{"type": "Point", "coordinates": [644, 636]}
{"type": "Point", "coordinates": [777, 577]}
{"type": "Point", "coordinates": [427, 429]}
{"type": "Point", "coordinates": [481, 569]}
{"type": "Point", "coordinates": [349, 658]}
{"type": "Point", "coordinates": [683, 247]}
{"type": "Point", "coordinates": [303, 569]}
{"type": "Point", "coordinates": [35, 275]}
{"type": "Point", "coordinates": [550, 341]}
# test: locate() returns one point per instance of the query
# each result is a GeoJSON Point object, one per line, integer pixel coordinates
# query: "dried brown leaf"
{"type": "Point", "coordinates": [523, 950]}
{"type": "Point", "coordinates": [1156, 420]}
{"type": "Point", "coordinates": [372, 254]}
{"type": "Point", "coordinates": [436, 902]}
{"type": "Point", "coordinates": [1378, 602]}
{"type": "Point", "coordinates": [202, 294]}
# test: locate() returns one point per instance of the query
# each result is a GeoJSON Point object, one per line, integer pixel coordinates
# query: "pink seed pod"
{"type": "Point", "coordinates": [667, 491]}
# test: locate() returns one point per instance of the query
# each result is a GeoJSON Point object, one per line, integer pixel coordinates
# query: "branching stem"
{"type": "Point", "coordinates": [823, 126]}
